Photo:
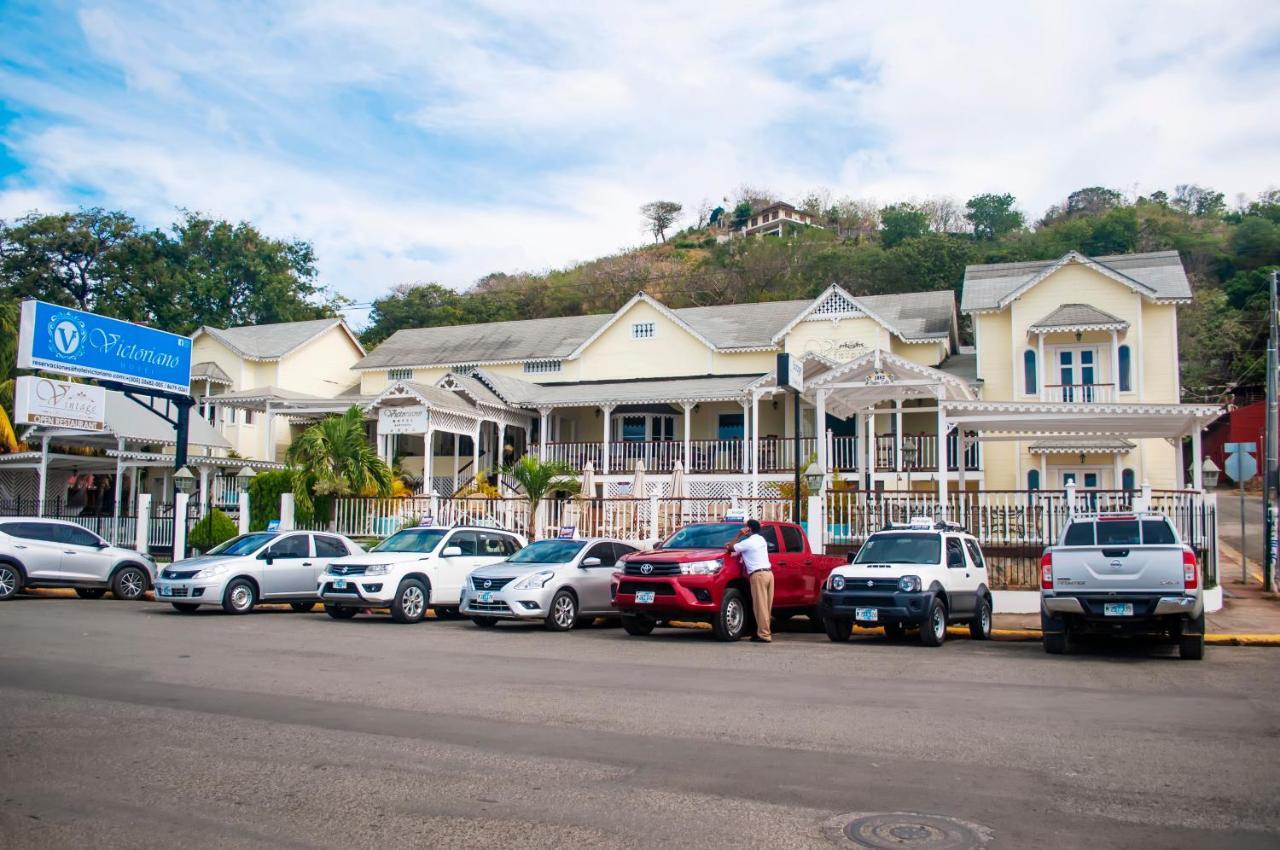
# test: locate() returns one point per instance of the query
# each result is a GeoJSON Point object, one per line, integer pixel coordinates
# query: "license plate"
{"type": "Point", "coordinates": [644, 597]}
{"type": "Point", "coordinates": [866, 615]}
{"type": "Point", "coordinates": [486, 596]}
{"type": "Point", "coordinates": [162, 590]}
{"type": "Point", "coordinates": [1117, 609]}
{"type": "Point", "coordinates": [339, 584]}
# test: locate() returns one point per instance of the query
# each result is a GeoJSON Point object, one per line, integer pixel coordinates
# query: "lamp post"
{"type": "Point", "coordinates": [184, 480]}
{"type": "Point", "coordinates": [244, 477]}
{"type": "Point", "coordinates": [910, 454]}
{"type": "Point", "coordinates": [814, 477]}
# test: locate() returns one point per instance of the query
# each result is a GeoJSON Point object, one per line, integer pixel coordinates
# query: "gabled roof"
{"type": "Point", "coordinates": [1157, 275]}
{"type": "Point", "coordinates": [1081, 317]}
{"type": "Point", "coordinates": [911, 316]}
{"type": "Point", "coordinates": [429, 395]}
{"type": "Point", "coordinates": [209, 371]}
{"type": "Point", "coordinates": [271, 342]}
{"type": "Point", "coordinates": [625, 308]}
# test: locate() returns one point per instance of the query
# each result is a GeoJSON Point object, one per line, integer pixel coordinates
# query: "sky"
{"type": "Point", "coordinates": [419, 141]}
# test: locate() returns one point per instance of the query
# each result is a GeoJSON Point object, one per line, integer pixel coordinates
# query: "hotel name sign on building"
{"type": "Point", "coordinates": [403, 420]}
{"type": "Point", "coordinates": [59, 404]}
{"type": "Point", "coordinates": [76, 342]}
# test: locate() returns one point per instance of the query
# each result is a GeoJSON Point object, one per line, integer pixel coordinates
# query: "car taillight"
{"type": "Point", "coordinates": [1046, 571]}
{"type": "Point", "coordinates": [1190, 570]}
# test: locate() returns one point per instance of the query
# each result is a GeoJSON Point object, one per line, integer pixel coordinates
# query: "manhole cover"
{"type": "Point", "coordinates": [904, 831]}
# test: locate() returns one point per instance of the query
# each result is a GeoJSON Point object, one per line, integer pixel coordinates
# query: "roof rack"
{"type": "Point", "coordinates": [924, 523]}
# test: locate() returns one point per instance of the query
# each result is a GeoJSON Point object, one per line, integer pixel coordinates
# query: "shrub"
{"type": "Point", "coordinates": [264, 497]}
{"type": "Point", "coordinates": [216, 527]}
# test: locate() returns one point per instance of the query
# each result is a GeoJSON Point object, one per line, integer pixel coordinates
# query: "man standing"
{"type": "Point", "coordinates": [753, 549]}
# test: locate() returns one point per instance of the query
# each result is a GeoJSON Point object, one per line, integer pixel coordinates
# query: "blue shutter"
{"type": "Point", "coordinates": [1126, 382]}
{"type": "Point", "coordinates": [1029, 372]}
{"type": "Point", "coordinates": [1033, 479]}
{"type": "Point", "coordinates": [1127, 480]}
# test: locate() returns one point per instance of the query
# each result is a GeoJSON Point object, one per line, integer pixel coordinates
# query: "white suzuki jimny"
{"type": "Point", "coordinates": [924, 574]}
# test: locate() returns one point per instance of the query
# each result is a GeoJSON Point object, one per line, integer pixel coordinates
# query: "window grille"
{"type": "Point", "coordinates": [643, 330]}
{"type": "Point", "coordinates": [540, 367]}
{"type": "Point", "coordinates": [400, 374]}
{"type": "Point", "coordinates": [835, 304]}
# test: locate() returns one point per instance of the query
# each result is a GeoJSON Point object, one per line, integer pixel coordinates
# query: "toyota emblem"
{"type": "Point", "coordinates": [488, 583]}
{"type": "Point", "coordinates": [646, 568]}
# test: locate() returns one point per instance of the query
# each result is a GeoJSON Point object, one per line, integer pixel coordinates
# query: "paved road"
{"type": "Point", "coordinates": [1229, 526]}
{"type": "Point", "coordinates": [130, 725]}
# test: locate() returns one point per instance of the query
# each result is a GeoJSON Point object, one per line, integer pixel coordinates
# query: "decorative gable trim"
{"type": "Point", "coordinates": [666, 312]}
{"type": "Point", "coordinates": [1076, 257]}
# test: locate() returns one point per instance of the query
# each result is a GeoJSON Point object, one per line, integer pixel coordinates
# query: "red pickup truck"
{"type": "Point", "coordinates": [689, 577]}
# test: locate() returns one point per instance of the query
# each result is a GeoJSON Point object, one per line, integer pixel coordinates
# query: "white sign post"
{"type": "Point", "coordinates": [403, 420]}
{"type": "Point", "coordinates": [59, 404]}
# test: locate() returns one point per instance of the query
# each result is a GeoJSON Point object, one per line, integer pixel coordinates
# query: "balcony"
{"type": "Point", "coordinates": [1080, 393]}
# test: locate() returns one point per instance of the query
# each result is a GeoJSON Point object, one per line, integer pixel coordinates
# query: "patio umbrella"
{"type": "Point", "coordinates": [587, 487]}
{"type": "Point", "coordinates": [639, 487]}
{"type": "Point", "coordinates": [679, 487]}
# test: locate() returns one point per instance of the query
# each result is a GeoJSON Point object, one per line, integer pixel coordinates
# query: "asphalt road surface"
{"type": "Point", "coordinates": [129, 725]}
{"type": "Point", "coordinates": [1229, 527]}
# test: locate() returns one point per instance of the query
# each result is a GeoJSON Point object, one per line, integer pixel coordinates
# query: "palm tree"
{"type": "Point", "coordinates": [538, 478]}
{"type": "Point", "coordinates": [333, 458]}
{"type": "Point", "coordinates": [8, 356]}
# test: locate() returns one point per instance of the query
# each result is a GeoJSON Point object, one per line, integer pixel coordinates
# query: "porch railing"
{"type": "Point", "coordinates": [919, 453]}
{"type": "Point", "coordinates": [1080, 393]}
{"type": "Point", "coordinates": [776, 454]}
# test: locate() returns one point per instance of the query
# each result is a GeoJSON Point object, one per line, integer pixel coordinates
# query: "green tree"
{"type": "Point", "coordinates": [741, 214]}
{"type": "Point", "coordinates": [660, 215]}
{"type": "Point", "coordinates": [537, 479]}
{"type": "Point", "coordinates": [333, 458]}
{"type": "Point", "coordinates": [66, 258]}
{"type": "Point", "coordinates": [1255, 241]}
{"type": "Point", "coordinates": [902, 221]}
{"type": "Point", "coordinates": [265, 490]}
{"type": "Point", "coordinates": [8, 357]}
{"type": "Point", "coordinates": [992, 216]}
{"type": "Point", "coordinates": [213, 528]}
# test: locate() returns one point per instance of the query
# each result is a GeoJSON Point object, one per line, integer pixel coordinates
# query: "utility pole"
{"type": "Point", "coordinates": [1270, 460]}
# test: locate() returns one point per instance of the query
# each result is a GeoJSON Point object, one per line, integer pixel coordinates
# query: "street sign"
{"type": "Point", "coordinates": [59, 404]}
{"type": "Point", "coordinates": [75, 342]}
{"type": "Point", "coordinates": [1241, 465]}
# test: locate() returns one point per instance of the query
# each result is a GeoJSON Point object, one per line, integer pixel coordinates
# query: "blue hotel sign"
{"type": "Point", "coordinates": [60, 339]}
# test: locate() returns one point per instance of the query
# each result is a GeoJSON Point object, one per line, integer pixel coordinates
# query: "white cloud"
{"type": "Point", "coordinates": [414, 142]}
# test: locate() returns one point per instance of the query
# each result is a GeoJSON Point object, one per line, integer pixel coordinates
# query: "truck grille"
{"type": "Point", "coordinates": [658, 588]}
{"type": "Point", "coordinates": [637, 569]}
{"type": "Point", "coordinates": [179, 573]}
{"type": "Point", "coordinates": [480, 583]}
{"type": "Point", "coordinates": [347, 570]}
{"type": "Point", "coordinates": [178, 592]}
{"type": "Point", "coordinates": [861, 585]}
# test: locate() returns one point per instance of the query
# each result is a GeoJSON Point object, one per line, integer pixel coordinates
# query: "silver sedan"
{"type": "Point", "coordinates": [559, 582]}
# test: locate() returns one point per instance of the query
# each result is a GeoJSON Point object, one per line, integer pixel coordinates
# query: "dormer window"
{"type": "Point", "coordinates": [401, 374]}
{"type": "Point", "coordinates": [643, 330]}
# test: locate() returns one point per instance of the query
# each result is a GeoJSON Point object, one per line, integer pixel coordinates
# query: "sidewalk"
{"type": "Point", "coordinates": [1248, 616]}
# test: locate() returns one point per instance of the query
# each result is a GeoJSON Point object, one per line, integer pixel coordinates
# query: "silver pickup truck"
{"type": "Point", "coordinates": [1121, 574]}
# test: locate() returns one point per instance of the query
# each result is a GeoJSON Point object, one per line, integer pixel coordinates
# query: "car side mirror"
{"type": "Point", "coordinates": [267, 556]}
{"type": "Point", "coordinates": [590, 562]}
{"type": "Point", "coordinates": [102, 544]}
{"type": "Point", "coordinates": [451, 552]}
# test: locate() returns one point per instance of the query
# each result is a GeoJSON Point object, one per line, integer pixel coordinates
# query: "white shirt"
{"type": "Point", "coordinates": [755, 553]}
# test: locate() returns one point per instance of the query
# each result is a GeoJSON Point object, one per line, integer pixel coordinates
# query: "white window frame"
{"type": "Point", "coordinates": [644, 330]}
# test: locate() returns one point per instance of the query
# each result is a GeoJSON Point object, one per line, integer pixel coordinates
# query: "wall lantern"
{"type": "Point", "coordinates": [184, 480]}
{"type": "Point", "coordinates": [244, 476]}
{"type": "Point", "coordinates": [813, 476]}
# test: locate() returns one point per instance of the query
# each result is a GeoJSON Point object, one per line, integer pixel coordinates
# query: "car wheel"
{"type": "Point", "coordinates": [980, 625]}
{"type": "Point", "coordinates": [933, 631]}
{"type": "Point", "coordinates": [838, 629]}
{"type": "Point", "coordinates": [340, 613]}
{"type": "Point", "coordinates": [564, 612]}
{"type": "Point", "coordinates": [239, 597]}
{"type": "Point", "coordinates": [410, 604]}
{"type": "Point", "coordinates": [129, 584]}
{"type": "Point", "coordinates": [447, 613]}
{"type": "Point", "coordinates": [485, 622]}
{"type": "Point", "coordinates": [185, 607]}
{"type": "Point", "coordinates": [302, 607]}
{"type": "Point", "coordinates": [731, 620]}
{"type": "Point", "coordinates": [10, 581]}
{"type": "Point", "coordinates": [1191, 641]}
{"type": "Point", "coordinates": [638, 624]}
{"type": "Point", "coordinates": [91, 592]}
{"type": "Point", "coordinates": [893, 631]}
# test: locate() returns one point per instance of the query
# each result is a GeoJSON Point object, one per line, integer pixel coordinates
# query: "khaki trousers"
{"type": "Point", "coordinates": [762, 601]}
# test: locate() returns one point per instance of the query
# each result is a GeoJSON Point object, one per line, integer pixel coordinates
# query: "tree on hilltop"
{"type": "Point", "coordinates": [660, 215]}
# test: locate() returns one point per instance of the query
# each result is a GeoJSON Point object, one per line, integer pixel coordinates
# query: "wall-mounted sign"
{"type": "Point", "coordinates": [59, 404]}
{"type": "Point", "coordinates": [74, 342]}
{"type": "Point", "coordinates": [403, 420]}
{"type": "Point", "coordinates": [790, 371]}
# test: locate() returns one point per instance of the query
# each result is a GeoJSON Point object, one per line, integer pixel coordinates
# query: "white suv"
{"type": "Point", "coordinates": [38, 552]}
{"type": "Point", "coordinates": [413, 570]}
{"type": "Point", "coordinates": [924, 575]}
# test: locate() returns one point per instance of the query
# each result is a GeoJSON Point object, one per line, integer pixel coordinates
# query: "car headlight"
{"type": "Point", "coordinates": [702, 568]}
{"type": "Point", "coordinates": [837, 582]}
{"type": "Point", "coordinates": [377, 569]}
{"type": "Point", "coordinates": [534, 581]}
{"type": "Point", "coordinates": [212, 572]}
{"type": "Point", "coordinates": [909, 584]}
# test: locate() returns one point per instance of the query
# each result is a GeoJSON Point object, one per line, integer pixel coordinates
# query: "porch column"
{"type": "Point", "coordinates": [960, 464]}
{"type": "Point", "coordinates": [820, 431]}
{"type": "Point", "coordinates": [870, 420]}
{"type": "Point", "coordinates": [544, 434]}
{"type": "Point", "coordinates": [1197, 478]}
{"type": "Point", "coordinates": [429, 457]}
{"type": "Point", "coordinates": [268, 446]}
{"type": "Point", "coordinates": [747, 435]}
{"type": "Point", "coordinates": [44, 474]}
{"type": "Point", "coordinates": [1044, 473]}
{"type": "Point", "coordinates": [943, 463]}
{"type": "Point", "coordinates": [688, 413]}
{"type": "Point", "coordinates": [457, 440]}
{"type": "Point", "coordinates": [1115, 371]}
{"type": "Point", "coordinates": [755, 443]}
{"type": "Point", "coordinates": [502, 446]}
{"type": "Point", "coordinates": [897, 434]}
{"type": "Point", "coordinates": [204, 489]}
{"type": "Point", "coordinates": [475, 447]}
{"type": "Point", "coordinates": [1042, 368]}
{"type": "Point", "coordinates": [115, 510]}
{"type": "Point", "coordinates": [1116, 472]}
{"type": "Point", "coordinates": [606, 411]}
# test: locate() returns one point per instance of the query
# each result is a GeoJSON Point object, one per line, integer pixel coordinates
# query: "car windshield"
{"type": "Point", "coordinates": [548, 552]}
{"type": "Point", "coordinates": [412, 540]}
{"type": "Point", "coordinates": [708, 536]}
{"type": "Point", "coordinates": [901, 549]}
{"type": "Point", "coordinates": [244, 544]}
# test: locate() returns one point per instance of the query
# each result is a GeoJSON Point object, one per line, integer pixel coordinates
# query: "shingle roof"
{"type": "Point", "coordinates": [915, 315]}
{"type": "Point", "coordinates": [963, 365]}
{"type": "Point", "coordinates": [1078, 316]}
{"type": "Point", "coordinates": [1159, 273]}
{"type": "Point", "coordinates": [269, 342]}
{"type": "Point", "coordinates": [209, 371]}
{"type": "Point", "coordinates": [694, 388]}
